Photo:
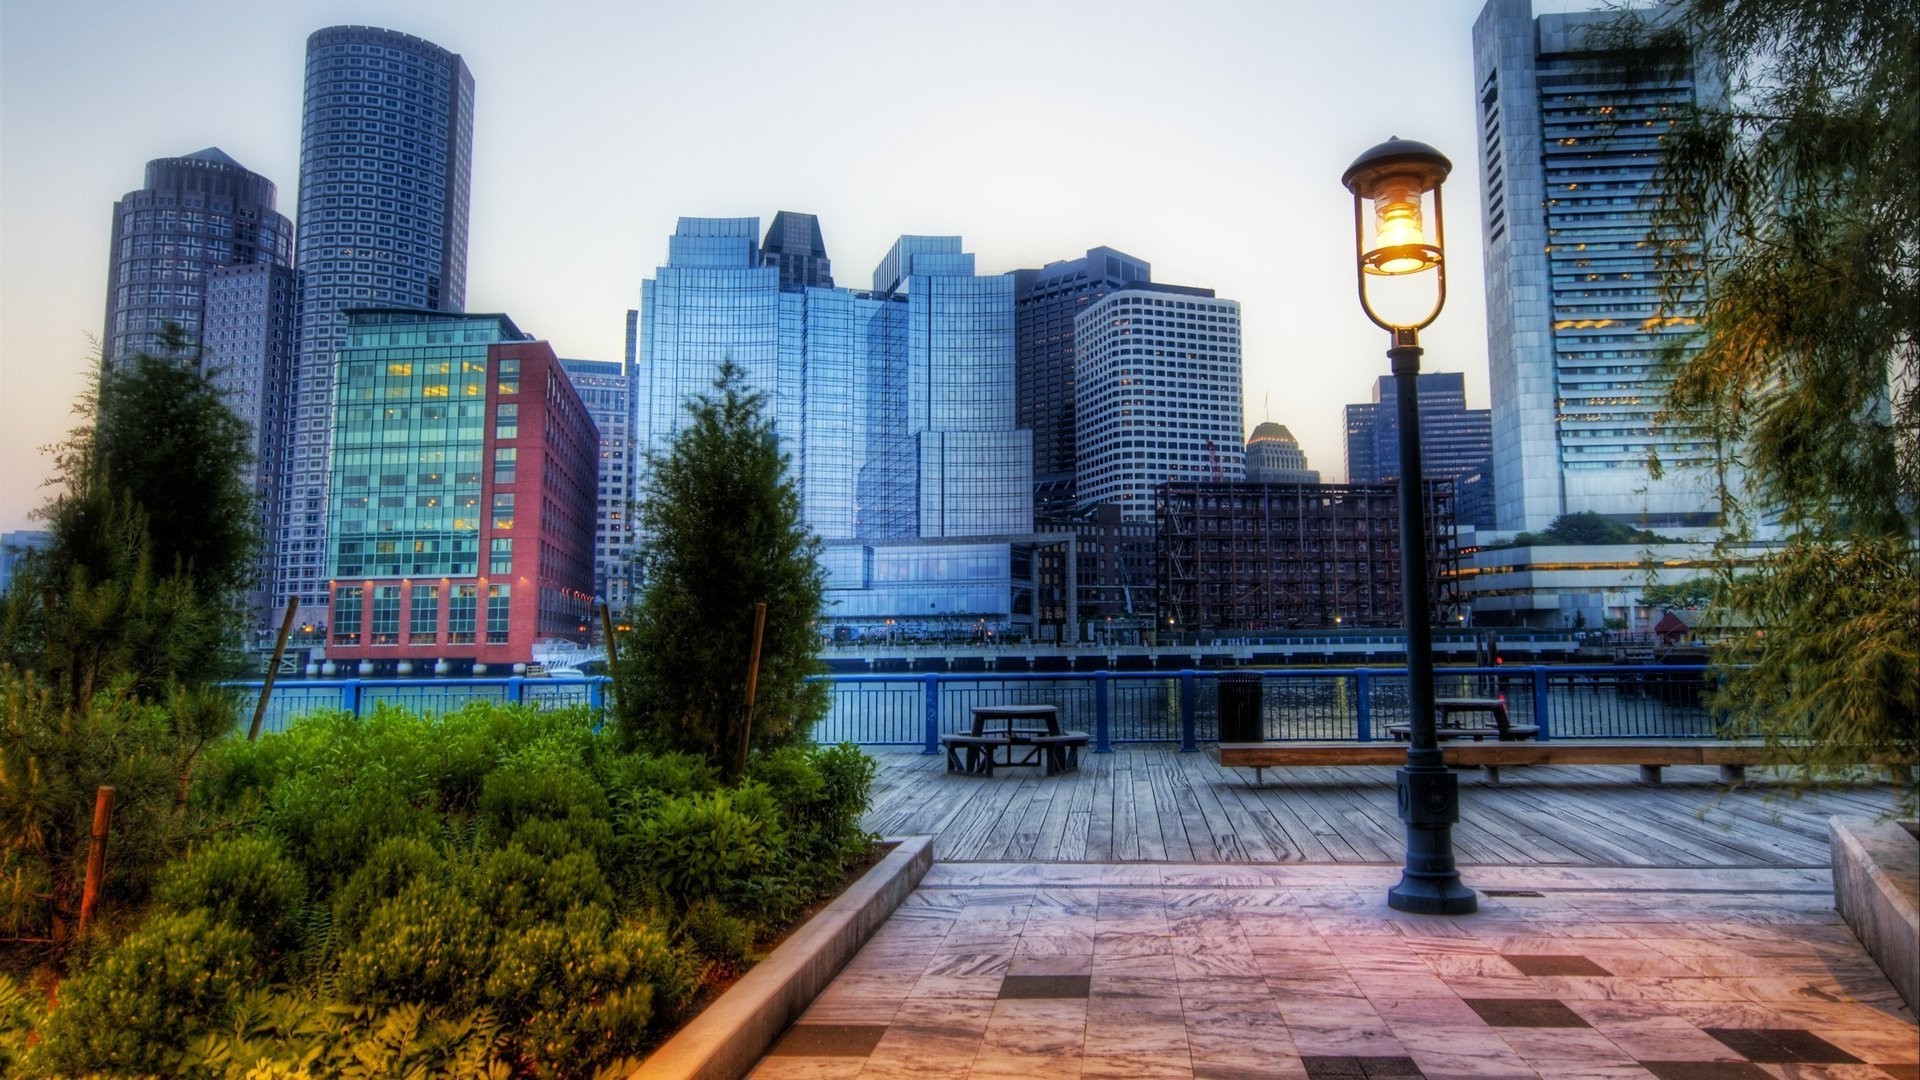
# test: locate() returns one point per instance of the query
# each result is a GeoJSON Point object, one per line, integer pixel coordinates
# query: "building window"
{"type": "Point", "coordinates": [462, 612]}
{"type": "Point", "coordinates": [499, 613]}
{"type": "Point", "coordinates": [386, 615]}
{"type": "Point", "coordinates": [506, 422]}
{"type": "Point", "coordinates": [424, 626]}
{"type": "Point", "coordinates": [504, 460]}
{"type": "Point", "coordinates": [503, 510]}
{"type": "Point", "coordinates": [501, 561]}
{"type": "Point", "coordinates": [509, 381]}
{"type": "Point", "coordinates": [346, 615]}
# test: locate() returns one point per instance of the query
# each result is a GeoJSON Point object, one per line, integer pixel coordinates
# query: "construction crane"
{"type": "Point", "coordinates": [1213, 455]}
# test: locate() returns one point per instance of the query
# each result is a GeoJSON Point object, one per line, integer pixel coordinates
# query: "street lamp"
{"type": "Point", "coordinates": [1402, 238]}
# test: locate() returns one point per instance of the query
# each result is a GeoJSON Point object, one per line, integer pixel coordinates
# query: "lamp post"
{"type": "Point", "coordinates": [1403, 238]}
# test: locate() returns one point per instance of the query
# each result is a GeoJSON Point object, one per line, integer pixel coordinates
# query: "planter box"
{"type": "Point", "coordinates": [725, 1040]}
{"type": "Point", "coordinates": [1876, 886]}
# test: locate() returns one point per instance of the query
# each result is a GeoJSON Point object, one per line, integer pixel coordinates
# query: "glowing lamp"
{"type": "Point", "coordinates": [1403, 235]}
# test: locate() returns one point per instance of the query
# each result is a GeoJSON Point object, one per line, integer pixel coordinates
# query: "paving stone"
{"type": "Point", "coordinates": [1522, 1013]}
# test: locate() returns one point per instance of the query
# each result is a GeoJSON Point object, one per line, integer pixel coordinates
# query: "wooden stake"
{"type": "Point", "coordinates": [96, 855]}
{"type": "Point", "coordinates": [753, 684]}
{"type": "Point", "coordinates": [273, 668]}
{"type": "Point", "coordinates": [606, 631]}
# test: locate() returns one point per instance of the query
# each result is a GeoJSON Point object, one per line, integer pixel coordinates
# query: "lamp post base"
{"type": "Point", "coordinates": [1429, 797]}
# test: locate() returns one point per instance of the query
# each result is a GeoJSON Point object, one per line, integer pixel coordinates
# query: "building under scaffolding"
{"type": "Point", "coordinates": [1245, 556]}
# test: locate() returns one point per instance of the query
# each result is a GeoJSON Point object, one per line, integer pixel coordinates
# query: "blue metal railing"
{"type": "Point", "coordinates": [916, 709]}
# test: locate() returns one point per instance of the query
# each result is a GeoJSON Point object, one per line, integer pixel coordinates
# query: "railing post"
{"type": "Point", "coordinates": [930, 690]}
{"type": "Point", "coordinates": [1102, 715]}
{"type": "Point", "coordinates": [1187, 678]}
{"type": "Point", "coordinates": [597, 693]}
{"type": "Point", "coordinates": [350, 696]}
{"type": "Point", "coordinates": [1540, 704]}
{"type": "Point", "coordinates": [515, 689]}
{"type": "Point", "coordinates": [1363, 704]}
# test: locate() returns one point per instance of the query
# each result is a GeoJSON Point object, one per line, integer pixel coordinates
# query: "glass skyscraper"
{"type": "Point", "coordinates": [195, 213]}
{"type": "Point", "coordinates": [606, 388]}
{"type": "Point", "coordinates": [386, 152]}
{"type": "Point", "coordinates": [1571, 132]}
{"type": "Point", "coordinates": [894, 406]}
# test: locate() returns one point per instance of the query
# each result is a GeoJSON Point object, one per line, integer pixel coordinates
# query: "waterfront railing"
{"type": "Point", "coordinates": [1120, 707]}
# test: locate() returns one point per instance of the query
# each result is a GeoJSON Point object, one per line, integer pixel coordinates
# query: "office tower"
{"type": "Point", "coordinates": [795, 247]}
{"type": "Point", "coordinates": [247, 352]}
{"type": "Point", "coordinates": [1572, 128]}
{"type": "Point", "coordinates": [893, 405]}
{"type": "Point", "coordinates": [460, 523]}
{"type": "Point", "coordinates": [1247, 556]}
{"type": "Point", "coordinates": [195, 213]}
{"type": "Point", "coordinates": [1157, 394]}
{"type": "Point", "coordinates": [606, 389]}
{"type": "Point", "coordinates": [1453, 438]}
{"type": "Point", "coordinates": [386, 150]}
{"type": "Point", "coordinates": [1045, 303]}
{"type": "Point", "coordinates": [1274, 457]}
{"type": "Point", "coordinates": [14, 547]}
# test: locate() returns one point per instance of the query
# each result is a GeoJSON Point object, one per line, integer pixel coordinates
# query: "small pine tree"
{"type": "Point", "coordinates": [724, 532]}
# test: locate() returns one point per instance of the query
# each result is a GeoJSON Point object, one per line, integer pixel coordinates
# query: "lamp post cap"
{"type": "Point", "coordinates": [1396, 157]}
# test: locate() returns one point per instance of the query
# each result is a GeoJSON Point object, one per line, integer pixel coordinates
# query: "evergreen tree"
{"type": "Point", "coordinates": [1791, 230]}
{"type": "Point", "coordinates": [723, 532]}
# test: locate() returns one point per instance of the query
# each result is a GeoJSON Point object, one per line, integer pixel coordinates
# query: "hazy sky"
{"type": "Point", "coordinates": [1205, 138]}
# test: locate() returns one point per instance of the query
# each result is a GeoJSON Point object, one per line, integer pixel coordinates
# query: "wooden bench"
{"type": "Point", "coordinates": [973, 753]}
{"type": "Point", "coordinates": [1651, 755]}
{"type": "Point", "coordinates": [1447, 724]}
{"type": "Point", "coordinates": [1061, 753]}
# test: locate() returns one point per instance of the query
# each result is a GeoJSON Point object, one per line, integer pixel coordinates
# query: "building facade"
{"type": "Point", "coordinates": [195, 213]}
{"type": "Point", "coordinates": [894, 406]}
{"type": "Point", "coordinates": [606, 389]}
{"type": "Point", "coordinates": [386, 155]}
{"type": "Point", "coordinates": [1156, 394]}
{"type": "Point", "coordinates": [14, 547]}
{"type": "Point", "coordinates": [1243, 556]}
{"type": "Point", "coordinates": [1274, 457]}
{"type": "Point", "coordinates": [247, 349]}
{"type": "Point", "coordinates": [460, 525]}
{"type": "Point", "coordinates": [1572, 128]}
{"type": "Point", "coordinates": [1045, 304]}
{"type": "Point", "coordinates": [1456, 443]}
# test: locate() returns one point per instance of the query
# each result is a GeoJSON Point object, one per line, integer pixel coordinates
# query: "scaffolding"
{"type": "Point", "coordinates": [1249, 556]}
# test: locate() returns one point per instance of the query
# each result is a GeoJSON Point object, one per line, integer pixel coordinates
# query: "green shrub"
{"type": "Point", "coordinates": [391, 866]}
{"type": "Point", "coordinates": [19, 1014]}
{"type": "Point", "coordinates": [519, 889]}
{"type": "Point", "coordinates": [427, 944]}
{"type": "Point", "coordinates": [134, 1011]}
{"type": "Point", "coordinates": [247, 881]}
{"type": "Point", "coordinates": [718, 935]}
{"type": "Point", "coordinates": [529, 788]}
{"type": "Point", "coordinates": [332, 829]}
{"type": "Point", "coordinates": [700, 846]}
{"type": "Point", "coordinates": [576, 988]}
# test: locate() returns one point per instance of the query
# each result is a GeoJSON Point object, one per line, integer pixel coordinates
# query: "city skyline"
{"type": "Point", "coordinates": [587, 150]}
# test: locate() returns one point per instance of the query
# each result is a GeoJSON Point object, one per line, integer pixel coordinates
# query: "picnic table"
{"type": "Point", "coordinates": [1449, 725]}
{"type": "Point", "coordinates": [1012, 735]}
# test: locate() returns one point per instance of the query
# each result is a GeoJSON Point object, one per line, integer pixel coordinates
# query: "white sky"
{"type": "Point", "coordinates": [1205, 138]}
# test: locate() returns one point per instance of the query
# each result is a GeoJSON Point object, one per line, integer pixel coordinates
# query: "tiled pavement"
{"type": "Point", "coordinates": [1301, 971]}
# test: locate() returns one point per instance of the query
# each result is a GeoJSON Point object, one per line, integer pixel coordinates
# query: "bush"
{"type": "Point", "coordinates": [579, 985]}
{"type": "Point", "coordinates": [428, 944]}
{"type": "Point", "coordinates": [700, 847]}
{"type": "Point", "coordinates": [391, 866]}
{"type": "Point", "coordinates": [245, 881]}
{"type": "Point", "coordinates": [134, 1011]}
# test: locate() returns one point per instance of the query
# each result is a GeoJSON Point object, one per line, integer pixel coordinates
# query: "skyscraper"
{"type": "Point", "coordinates": [1572, 126]}
{"type": "Point", "coordinates": [795, 247]}
{"type": "Point", "coordinates": [606, 389]}
{"type": "Point", "coordinates": [1045, 303]}
{"type": "Point", "coordinates": [1453, 438]}
{"type": "Point", "coordinates": [1274, 457]}
{"type": "Point", "coordinates": [386, 152]}
{"type": "Point", "coordinates": [1156, 394]}
{"type": "Point", "coordinates": [894, 406]}
{"type": "Point", "coordinates": [195, 213]}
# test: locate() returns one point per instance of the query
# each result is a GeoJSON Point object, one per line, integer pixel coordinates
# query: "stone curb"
{"type": "Point", "coordinates": [731, 1034]}
{"type": "Point", "coordinates": [1876, 877]}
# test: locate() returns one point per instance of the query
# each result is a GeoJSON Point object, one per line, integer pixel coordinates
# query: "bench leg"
{"type": "Point", "coordinates": [1259, 776]}
{"type": "Point", "coordinates": [1493, 774]}
{"type": "Point", "coordinates": [1733, 775]}
{"type": "Point", "coordinates": [1650, 774]}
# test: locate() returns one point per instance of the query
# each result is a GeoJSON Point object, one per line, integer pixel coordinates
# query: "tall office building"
{"type": "Point", "coordinates": [195, 213]}
{"type": "Point", "coordinates": [460, 520]}
{"type": "Point", "coordinates": [1571, 131]}
{"type": "Point", "coordinates": [1156, 394]}
{"type": "Point", "coordinates": [1453, 438]}
{"type": "Point", "coordinates": [606, 389]}
{"type": "Point", "coordinates": [1045, 303]}
{"type": "Point", "coordinates": [247, 352]}
{"type": "Point", "coordinates": [795, 246]}
{"type": "Point", "coordinates": [386, 152]}
{"type": "Point", "coordinates": [1274, 457]}
{"type": "Point", "coordinates": [894, 406]}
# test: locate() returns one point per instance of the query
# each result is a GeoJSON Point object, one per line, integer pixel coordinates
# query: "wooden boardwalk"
{"type": "Point", "coordinates": [1158, 805]}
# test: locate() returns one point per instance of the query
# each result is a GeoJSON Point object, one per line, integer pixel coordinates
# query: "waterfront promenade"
{"type": "Point", "coordinates": [1156, 916]}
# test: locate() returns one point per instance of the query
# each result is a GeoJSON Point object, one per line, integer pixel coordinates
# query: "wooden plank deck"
{"type": "Point", "coordinates": [1153, 805]}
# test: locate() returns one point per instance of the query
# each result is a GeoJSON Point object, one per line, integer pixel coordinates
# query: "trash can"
{"type": "Point", "coordinates": [1240, 709]}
